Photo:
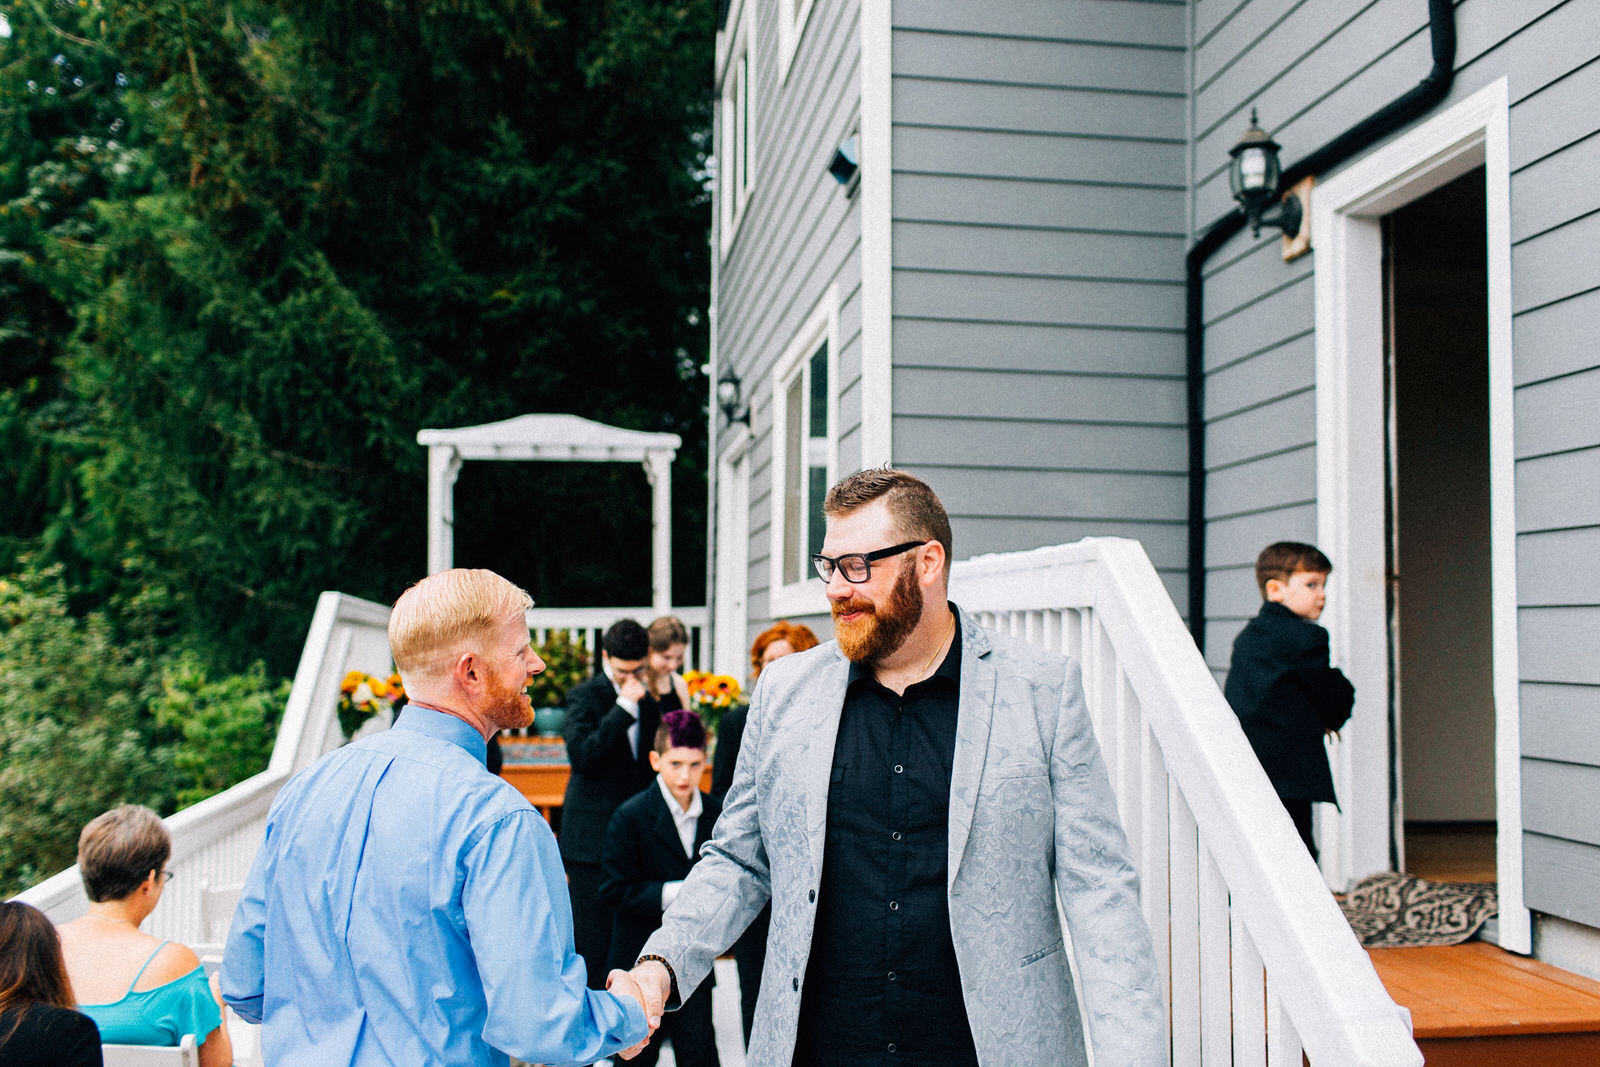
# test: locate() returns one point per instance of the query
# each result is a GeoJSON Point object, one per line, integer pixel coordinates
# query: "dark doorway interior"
{"type": "Point", "coordinates": [1439, 525]}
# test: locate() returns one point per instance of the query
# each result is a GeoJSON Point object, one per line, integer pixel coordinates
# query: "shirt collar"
{"type": "Point", "coordinates": [431, 722]}
{"type": "Point", "coordinates": [949, 668]}
{"type": "Point", "coordinates": [695, 807]}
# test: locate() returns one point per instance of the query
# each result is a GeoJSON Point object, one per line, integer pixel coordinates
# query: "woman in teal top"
{"type": "Point", "coordinates": [140, 991]}
{"type": "Point", "coordinates": [158, 1015]}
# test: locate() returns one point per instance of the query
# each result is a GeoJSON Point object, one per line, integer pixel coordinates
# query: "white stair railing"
{"type": "Point", "coordinates": [1259, 962]}
{"type": "Point", "coordinates": [215, 841]}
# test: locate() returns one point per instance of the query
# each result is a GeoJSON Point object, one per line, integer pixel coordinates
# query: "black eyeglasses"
{"type": "Point", "coordinates": [857, 566]}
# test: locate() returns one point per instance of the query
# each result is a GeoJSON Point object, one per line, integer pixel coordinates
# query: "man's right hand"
{"type": "Point", "coordinates": [622, 983]}
{"type": "Point", "coordinates": [632, 689]}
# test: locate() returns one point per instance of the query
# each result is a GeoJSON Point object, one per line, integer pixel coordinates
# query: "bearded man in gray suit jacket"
{"type": "Point", "coordinates": [915, 798]}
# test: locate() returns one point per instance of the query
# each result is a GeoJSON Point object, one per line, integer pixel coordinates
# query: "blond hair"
{"type": "Point", "coordinates": [448, 614]}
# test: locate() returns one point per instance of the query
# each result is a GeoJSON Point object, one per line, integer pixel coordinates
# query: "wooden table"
{"type": "Point", "coordinates": [544, 783]}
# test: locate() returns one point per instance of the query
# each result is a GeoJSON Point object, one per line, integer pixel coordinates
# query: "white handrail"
{"type": "Point", "coordinates": [1259, 960]}
{"type": "Point", "coordinates": [215, 841]}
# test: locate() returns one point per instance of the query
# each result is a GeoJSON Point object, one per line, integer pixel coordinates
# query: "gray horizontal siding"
{"type": "Point", "coordinates": [1559, 492]}
{"type": "Point", "coordinates": [1559, 415]}
{"type": "Point", "coordinates": [943, 342]}
{"type": "Point", "coordinates": [1548, 787]}
{"type": "Point", "coordinates": [1558, 645]}
{"type": "Point", "coordinates": [1559, 878]}
{"type": "Point", "coordinates": [1555, 569]}
{"type": "Point", "coordinates": [1556, 339]}
{"type": "Point", "coordinates": [799, 236]}
{"type": "Point", "coordinates": [1561, 722]}
{"type": "Point", "coordinates": [1038, 300]}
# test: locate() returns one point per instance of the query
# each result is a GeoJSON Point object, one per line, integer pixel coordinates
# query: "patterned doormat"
{"type": "Point", "coordinates": [1398, 911]}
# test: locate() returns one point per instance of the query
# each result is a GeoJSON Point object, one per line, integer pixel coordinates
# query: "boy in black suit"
{"type": "Point", "coordinates": [653, 840]}
{"type": "Point", "coordinates": [1281, 685]}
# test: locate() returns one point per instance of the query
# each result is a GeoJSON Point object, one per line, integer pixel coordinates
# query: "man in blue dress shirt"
{"type": "Point", "coordinates": [408, 907]}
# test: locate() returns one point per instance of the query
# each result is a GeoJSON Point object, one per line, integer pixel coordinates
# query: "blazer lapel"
{"type": "Point", "coordinates": [816, 728]}
{"type": "Point", "coordinates": [974, 718]}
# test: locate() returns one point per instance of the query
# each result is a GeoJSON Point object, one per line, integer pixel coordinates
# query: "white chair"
{"type": "Point", "coordinates": [186, 1054]}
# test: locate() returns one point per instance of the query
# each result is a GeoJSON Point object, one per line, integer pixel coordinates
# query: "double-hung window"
{"type": "Point", "coordinates": [736, 149]}
{"type": "Point", "coordinates": [805, 454]}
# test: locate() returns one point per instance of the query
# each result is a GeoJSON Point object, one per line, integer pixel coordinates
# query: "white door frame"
{"type": "Point", "coordinates": [1351, 417]}
{"type": "Point", "coordinates": [731, 613]}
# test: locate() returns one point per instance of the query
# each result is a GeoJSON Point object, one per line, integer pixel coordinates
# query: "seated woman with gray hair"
{"type": "Point", "coordinates": [138, 989]}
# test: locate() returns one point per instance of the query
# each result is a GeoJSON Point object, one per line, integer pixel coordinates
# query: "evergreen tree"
{"type": "Point", "coordinates": [248, 249]}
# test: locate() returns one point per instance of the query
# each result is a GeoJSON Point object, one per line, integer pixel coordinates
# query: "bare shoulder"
{"type": "Point", "coordinates": [172, 962]}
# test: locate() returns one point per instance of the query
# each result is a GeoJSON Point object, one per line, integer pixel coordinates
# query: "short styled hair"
{"type": "Point", "coordinates": [31, 967]}
{"type": "Point", "coordinates": [1282, 559]}
{"type": "Point", "coordinates": [798, 636]}
{"type": "Point", "coordinates": [913, 505]}
{"type": "Point", "coordinates": [625, 639]}
{"type": "Point", "coordinates": [447, 614]}
{"type": "Point", "coordinates": [665, 632]}
{"type": "Point", "coordinates": [680, 729]}
{"type": "Point", "coordinates": [118, 850]}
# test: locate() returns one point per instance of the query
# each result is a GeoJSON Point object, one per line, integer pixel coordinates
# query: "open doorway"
{"type": "Point", "coordinates": [1438, 523]}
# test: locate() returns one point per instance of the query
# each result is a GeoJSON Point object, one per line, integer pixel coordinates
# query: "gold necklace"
{"type": "Point", "coordinates": [939, 647]}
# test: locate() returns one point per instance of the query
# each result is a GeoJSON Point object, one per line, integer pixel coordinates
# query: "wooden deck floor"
{"type": "Point", "coordinates": [1477, 1004]}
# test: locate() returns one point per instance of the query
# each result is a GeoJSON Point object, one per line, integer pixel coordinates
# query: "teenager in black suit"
{"type": "Point", "coordinates": [610, 725]}
{"type": "Point", "coordinates": [1281, 685]}
{"type": "Point", "coordinates": [652, 842]}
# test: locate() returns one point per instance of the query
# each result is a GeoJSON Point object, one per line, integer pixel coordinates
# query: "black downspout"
{"type": "Point", "coordinates": [1415, 103]}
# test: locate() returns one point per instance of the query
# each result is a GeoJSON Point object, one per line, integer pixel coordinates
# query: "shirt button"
{"type": "Point", "coordinates": [894, 905]}
{"type": "Point", "coordinates": [895, 835]}
{"type": "Point", "coordinates": [893, 976]}
{"type": "Point", "coordinates": [797, 985]}
{"type": "Point", "coordinates": [893, 1047]}
{"type": "Point", "coordinates": [812, 896]}
{"type": "Point", "coordinates": [898, 769]}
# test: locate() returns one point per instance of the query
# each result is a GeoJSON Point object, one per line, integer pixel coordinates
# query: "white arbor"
{"type": "Point", "coordinates": [552, 438]}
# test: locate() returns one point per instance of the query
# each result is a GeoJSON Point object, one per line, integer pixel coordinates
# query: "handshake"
{"type": "Point", "coordinates": [651, 984]}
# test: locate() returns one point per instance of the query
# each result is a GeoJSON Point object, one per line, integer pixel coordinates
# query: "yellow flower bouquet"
{"type": "Point", "coordinates": [712, 694]}
{"type": "Point", "coordinates": [362, 695]}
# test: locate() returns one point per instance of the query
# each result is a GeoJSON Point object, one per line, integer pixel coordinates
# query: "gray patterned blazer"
{"type": "Point", "coordinates": [1031, 807]}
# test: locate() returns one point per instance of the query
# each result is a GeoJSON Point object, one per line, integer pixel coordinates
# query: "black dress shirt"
{"type": "Point", "coordinates": [882, 986]}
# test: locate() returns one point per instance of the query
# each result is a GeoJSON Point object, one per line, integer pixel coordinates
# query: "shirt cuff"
{"type": "Point", "coordinates": [629, 706]}
{"type": "Point", "coordinates": [669, 893]}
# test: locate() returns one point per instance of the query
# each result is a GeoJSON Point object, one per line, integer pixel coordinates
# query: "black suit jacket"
{"type": "Point", "coordinates": [1285, 694]}
{"type": "Point", "coordinates": [605, 770]}
{"type": "Point", "coordinates": [642, 851]}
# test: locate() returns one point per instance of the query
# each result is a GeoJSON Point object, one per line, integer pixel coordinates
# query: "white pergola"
{"type": "Point", "coordinates": [552, 438]}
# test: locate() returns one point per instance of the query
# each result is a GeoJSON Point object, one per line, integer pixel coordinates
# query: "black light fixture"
{"type": "Point", "coordinates": [728, 398]}
{"type": "Point", "coordinates": [1253, 176]}
{"type": "Point", "coordinates": [846, 161]}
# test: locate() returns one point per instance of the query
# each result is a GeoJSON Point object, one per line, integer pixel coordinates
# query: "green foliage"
{"type": "Point", "coordinates": [566, 663]}
{"type": "Point", "coordinates": [248, 249]}
{"type": "Point", "coordinates": [227, 725]}
{"type": "Point", "coordinates": [74, 736]}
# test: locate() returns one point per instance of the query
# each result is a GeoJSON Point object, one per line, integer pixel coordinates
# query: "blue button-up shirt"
{"type": "Point", "coordinates": [408, 907]}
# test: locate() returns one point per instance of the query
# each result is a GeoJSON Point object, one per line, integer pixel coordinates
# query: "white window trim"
{"type": "Point", "coordinates": [736, 103]}
{"type": "Point", "coordinates": [790, 29]}
{"type": "Point", "coordinates": [804, 597]}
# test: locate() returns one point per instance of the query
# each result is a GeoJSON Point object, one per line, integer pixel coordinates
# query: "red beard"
{"type": "Point", "coordinates": [881, 629]}
{"type": "Point", "coordinates": [509, 709]}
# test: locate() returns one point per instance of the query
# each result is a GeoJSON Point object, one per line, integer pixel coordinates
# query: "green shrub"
{"type": "Point", "coordinates": [566, 663]}
{"type": "Point", "coordinates": [75, 735]}
{"type": "Point", "coordinates": [227, 725]}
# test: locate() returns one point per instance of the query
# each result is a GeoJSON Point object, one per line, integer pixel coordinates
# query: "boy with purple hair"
{"type": "Point", "coordinates": [653, 840]}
